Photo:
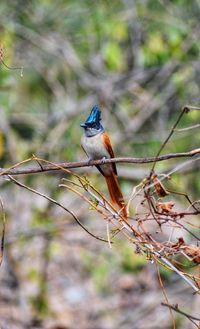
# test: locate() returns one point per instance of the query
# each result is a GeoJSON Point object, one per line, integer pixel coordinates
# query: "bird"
{"type": "Point", "coordinates": [96, 144]}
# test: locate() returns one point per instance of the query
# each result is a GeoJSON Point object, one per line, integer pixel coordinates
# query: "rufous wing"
{"type": "Point", "coordinates": [106, 141]}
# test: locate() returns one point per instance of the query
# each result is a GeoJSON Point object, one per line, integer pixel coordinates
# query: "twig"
{"type": "Point", "coordinates": [173, 268]}
{"type": "Point", "coordinates": [58, 204]}
{"type": "Point", "coordinates": [13, 68]}
{"type": "Point", "coordinates": [139, 239]}
{"type": "Point", "coordinates": [188, 128]}
{"type": "Point", "coordinates": [164, 293]}
{"type": "Point", "coordinates": [108, 234]}
{"type": "Point", "coordinates": [3, 232]}
{"type": "Point", "coordinates": [184, 110]}
{"type": "Point", "coordinates": [176, 309]}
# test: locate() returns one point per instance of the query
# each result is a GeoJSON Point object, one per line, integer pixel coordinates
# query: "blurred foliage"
{"type": "Point", "coordinates": [165, 274]}
{"type": "Point", "coordinates": [101, 269]}
{"type": "Point", "coordinates": [131, 261]}
{"type": "Point", "coordinates": [140, 61]}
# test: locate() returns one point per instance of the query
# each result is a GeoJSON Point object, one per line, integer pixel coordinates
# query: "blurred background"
{"type": "Point", "coordinates": [139, 60]}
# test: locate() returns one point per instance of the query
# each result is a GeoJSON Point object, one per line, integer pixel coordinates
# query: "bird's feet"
{"type": "Point", "coordinates": [103, 160]}
{"type": "Point", "coordinates": [89, 161]}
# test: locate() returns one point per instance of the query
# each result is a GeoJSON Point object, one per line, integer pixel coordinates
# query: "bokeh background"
{"type": "Point", "coordinates": [139, 60]}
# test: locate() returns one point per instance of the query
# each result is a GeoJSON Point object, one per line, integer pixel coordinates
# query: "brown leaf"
{"type": "Point", "coordinates": [179, 243]}
{"type": "Point", "coordinates": [193, 252]}
{"type": "Point", "coordinates": [165, 207]}
{"type": "Point", "coordinates": [160, 190]}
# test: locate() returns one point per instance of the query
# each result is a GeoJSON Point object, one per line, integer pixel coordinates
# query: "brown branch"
{"type": "Point", "coordinates": [59, 205]}
{"type": "Point", "coordinates": [176, 309]}
{"type": "Point", "coordinates": [184, 110]}
{"type": "Point", "coordinates": [3, 232]}
{"type": "Point", "coordinates": [79, 164]}
{"type": "Point", "coordinates": [164, 293]}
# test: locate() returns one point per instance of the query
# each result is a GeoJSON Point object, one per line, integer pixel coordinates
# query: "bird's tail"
{"type": "Point", "coordinates": [116, 194]}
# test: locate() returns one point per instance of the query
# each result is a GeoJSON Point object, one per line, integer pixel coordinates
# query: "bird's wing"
{"type": "Point", "coordinates": [106, 141]}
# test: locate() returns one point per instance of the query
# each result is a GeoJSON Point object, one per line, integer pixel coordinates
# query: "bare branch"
{"type": "Point", "coordinates": [79, 164]}
{"type": "Point", "coordinates": [176, 309]}
{"type": "Point", "coordinates": [58, 204]}
{"type": "Point", "coordinates": [3, 231]}
{"type": "Point", "coordinates": [185, 109]}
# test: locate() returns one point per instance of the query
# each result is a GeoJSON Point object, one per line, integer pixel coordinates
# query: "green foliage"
{"type": "Point", "coordinates": [101, 269]}
{"type": "Point", "coordinates": [40, 218]}
{"type": "Point", "coordinates": [165, 273]}
{"type": "Point", "coordinates": [39, 302]}
{"type": "Point", "coordinates": [130, 261]}
{"type": "Point", "coordinates": [93, 30]}
{"type": "Point", "coordinates": [100, 275]}
{"type": "Point", "coordinates": [112, 55]}
{"type": "Point", "coordinates": [1, 144]}
{"type": "Point", "coordinates": [40, 305]}
{"type": "Point", "coordinates": [140, 61]}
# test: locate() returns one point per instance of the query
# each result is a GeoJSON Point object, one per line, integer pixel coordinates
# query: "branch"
{"type": "Point", "coordinates": [176, 309]}
{"type": "Point", "coordinates": [3, 232]}
{"type": "Point", "coordinates": [58, 204]}
{"type": "Point", "coordinates": [184, 110]}
{"type": "Point", "coordinates": [80, 164]}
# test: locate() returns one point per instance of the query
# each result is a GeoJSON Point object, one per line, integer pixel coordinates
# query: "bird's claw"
{"type": "Point", "coordinates": [89, 161]}
{"type": "Point", "coordinates": [103, 160]}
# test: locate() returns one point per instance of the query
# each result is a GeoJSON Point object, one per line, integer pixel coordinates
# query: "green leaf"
{"type": "Point", "coordinates": [113, 57]}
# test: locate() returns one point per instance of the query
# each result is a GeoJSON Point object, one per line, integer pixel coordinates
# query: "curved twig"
{"type": "Point", "coordinates": [58, 204]}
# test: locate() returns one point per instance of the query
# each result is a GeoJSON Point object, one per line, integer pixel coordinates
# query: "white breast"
{"type": "Point", "coordinates": [95, 150]}
{"type": "Point", "coordinates": [94, 147]}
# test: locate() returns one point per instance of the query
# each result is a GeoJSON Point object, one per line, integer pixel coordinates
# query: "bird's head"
{"type": "Point", "coordinates": [92, 125]}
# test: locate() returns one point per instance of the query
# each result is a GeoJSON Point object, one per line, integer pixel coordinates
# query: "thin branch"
{"type": "Point", "coordinates": [164, 292]}
{"type": "Point", "coordinates": [173, 268]}
{"type": "Point", "coordinates": [79, 164]}
{"type": "Point", "coordinates": [14, 68]}
{"type": "Point", "coordinates": [3, 231]}
{"type": "Point", "coordinates": [176, 309]}
{"type": "Point", "coordinates": [184, 110]}
{"type": "Point", "coordinates": [188, 128]}
{"type": "Point", "coordinates": [58, 204]}
{"type": "Point", "coordinates": [130, 229]}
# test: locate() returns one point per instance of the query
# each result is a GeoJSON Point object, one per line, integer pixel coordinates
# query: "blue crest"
{"type": "Point", "coordinates": [94, 118]}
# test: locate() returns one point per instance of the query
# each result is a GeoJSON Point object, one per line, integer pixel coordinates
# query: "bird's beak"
{"type": "Point", "coordinates": [83, 125]}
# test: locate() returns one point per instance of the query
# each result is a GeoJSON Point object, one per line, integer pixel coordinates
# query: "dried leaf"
{"type": "Point", "coordinates": [193, 252]}
{"type": "Point", "coordinates": [160, 190]}
{"type": "Point", "coordinates": [179, 243]}
{"type": "Point", "coordinates": [165, 207]}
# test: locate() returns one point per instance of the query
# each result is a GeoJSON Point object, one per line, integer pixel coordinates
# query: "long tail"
{"type": "Point", "coordinates": [115, 193]}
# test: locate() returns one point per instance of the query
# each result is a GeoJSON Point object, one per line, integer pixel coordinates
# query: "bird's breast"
{"type": "Point", "coordinates": [94, 147]}
{"type": "Point", "coordinates": [95, 150]}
